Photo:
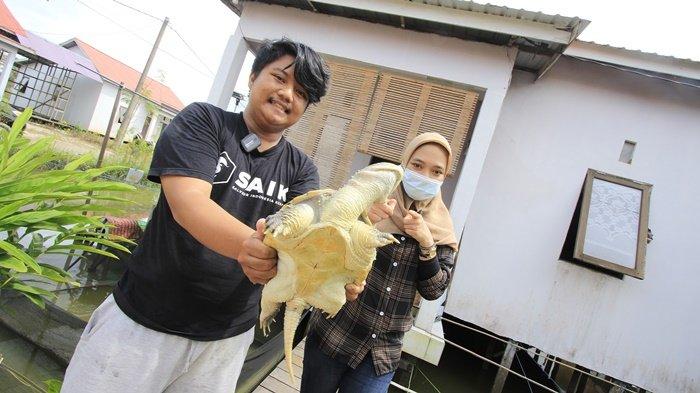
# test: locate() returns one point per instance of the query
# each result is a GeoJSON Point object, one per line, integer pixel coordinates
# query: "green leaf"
{"type": "Point", "coordinates": [104, 242]}
{"type": "Point", "coordinates": [68, 219]}
{"type": "Point", "coordinates": [77, 162]}
{"type": "Point", "coordinates": [13, 263]}
{"type": "Point", "coordinates": [98, 186]}
{"type": "Point", "coordinates": [24, 155]}
{"type": "Point", "coordinates": [46, 266]}
{"type": "Point", "coordinates": [11, 208]}
{"type": "Point", "coordinates": [82, 247]}
{"type": "Point", "coordinates": [36, 299]}
{"type": "Point", "coordinates": [121, 239]}
{"type": "Point", "coordinates": [31, 217]}
{"type": "Point", "coordinates": [36, 246]}
{"type": "Point", "coordinates": [53, 385]}
{"type": "Point", "coordinates": [21, 255]}
{"type": "Point", "coordinates": [89, 207]}
{"type": "Point", "coordinates": [9, 140]}
{"type": "Point", "coordinates": [24, 288]}
{"type": "Point", "coordinates": [55, 276]}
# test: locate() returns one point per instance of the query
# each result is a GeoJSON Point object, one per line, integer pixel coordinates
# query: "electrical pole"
{"type": "Point", "coordinates": [135, 99]}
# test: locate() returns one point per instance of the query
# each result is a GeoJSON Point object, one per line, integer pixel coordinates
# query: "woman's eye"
{"type": "Point", "coordinates": [279, 78]}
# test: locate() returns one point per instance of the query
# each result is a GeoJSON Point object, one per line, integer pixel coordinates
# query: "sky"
{"type": "Point", "coordinates": [206, 26]}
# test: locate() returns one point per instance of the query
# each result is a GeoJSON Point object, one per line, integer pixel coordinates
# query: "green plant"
{"type": "Point", "coordinates": [46, 212]}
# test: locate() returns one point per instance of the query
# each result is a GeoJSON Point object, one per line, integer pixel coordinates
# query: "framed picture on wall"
{"type": "Point", "coordinates": [613, 225]}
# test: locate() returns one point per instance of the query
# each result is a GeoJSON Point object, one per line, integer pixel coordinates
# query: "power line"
{"type": "Point", "coordinates": [191, 50]}
{"type": "Point", "coordinates": [138, 10]}
{"type": "Point", "coordinates": [171, 28]}
{"type": "Point", "coordinates": [144, 39]}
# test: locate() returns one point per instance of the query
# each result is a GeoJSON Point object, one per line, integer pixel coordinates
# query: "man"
{"type": "Point", "coordinates": [182, 317]}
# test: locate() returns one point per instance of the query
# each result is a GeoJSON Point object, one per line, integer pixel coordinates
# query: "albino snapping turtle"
{"type": "Point", "coordinates": [324, 240]}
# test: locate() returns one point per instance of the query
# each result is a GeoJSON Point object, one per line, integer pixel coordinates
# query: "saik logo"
{"type": "Point", "coordinates": [251, 184]}
{"type": "Point", "coordinates": [224, 169]}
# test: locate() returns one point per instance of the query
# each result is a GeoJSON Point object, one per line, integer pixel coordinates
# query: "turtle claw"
{"type": "Point", "coordinates": [265, 326]}
{"type": "Point", "coordinates": [385, 238]}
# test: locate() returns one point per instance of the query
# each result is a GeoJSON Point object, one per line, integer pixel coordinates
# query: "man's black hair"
{"type": "Point", "coordinates": [310, 70]}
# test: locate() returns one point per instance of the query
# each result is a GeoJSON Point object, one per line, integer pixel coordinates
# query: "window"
{"type": "Point", "coordinates": [613, 223]}
{"type": "Point", "coordinates": [329, 132]}
{"type": "Point", "coordinates": [376, 112]}
{"type": "Point", "coordinates": [404, 107]}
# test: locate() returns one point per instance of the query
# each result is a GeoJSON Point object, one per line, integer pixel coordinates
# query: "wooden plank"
{"type": "Point", "coordinates": [283, 376]}
{"type": "Point", "coordinates": [283, 367]}
{"type": "Point", "coordinates": [275, 385]}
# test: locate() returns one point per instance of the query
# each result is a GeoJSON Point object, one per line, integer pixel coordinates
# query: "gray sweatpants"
{"type": "Point", "coordinates": [116, 354]}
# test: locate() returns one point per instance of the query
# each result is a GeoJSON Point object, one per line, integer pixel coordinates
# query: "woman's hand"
{"type": "Point", "coordinates": [352, 290]}
{"type": "Point", "coordinates": [381, 210]}
{"type": "Point", "coordinates": [415, 227]}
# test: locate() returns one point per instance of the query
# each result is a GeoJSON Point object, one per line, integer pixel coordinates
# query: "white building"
{"type": "Point", "coordinates": [93, 109]}
{"type": "Point", "coordinates": [529, 111]}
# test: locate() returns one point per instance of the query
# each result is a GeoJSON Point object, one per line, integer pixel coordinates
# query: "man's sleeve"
{"type": "Point", "coordinates": [189, 145]}
{"type": "Point", "coordinates": [307, 180]}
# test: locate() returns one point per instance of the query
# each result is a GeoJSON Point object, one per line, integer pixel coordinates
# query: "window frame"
{"type": "Point", "coordinates": [643, 224]}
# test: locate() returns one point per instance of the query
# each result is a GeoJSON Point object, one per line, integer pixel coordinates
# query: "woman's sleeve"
{"type": "Point", "coordinates": [435, 275]}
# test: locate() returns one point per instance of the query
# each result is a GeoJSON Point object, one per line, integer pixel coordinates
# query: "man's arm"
{"type": "Point", "coordinates": [215, 228]}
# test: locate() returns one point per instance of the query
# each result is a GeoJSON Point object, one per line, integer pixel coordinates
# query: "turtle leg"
{"type": "Point", "coordinates": [365, 241]}
{"type": "Point", "coordinates": [330, 296]}
{"type": "Point", "coordinates": [277, 291]}
{"type": "Point", "coordinates": [290, 221]}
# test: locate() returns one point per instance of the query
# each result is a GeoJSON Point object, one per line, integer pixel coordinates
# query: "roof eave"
{"type": "Point", "coordinates": [233, 5]}
{"type": "Point", "coordinates": [464, 18]}
{"type": "Point", "coordinates": [668, 65]}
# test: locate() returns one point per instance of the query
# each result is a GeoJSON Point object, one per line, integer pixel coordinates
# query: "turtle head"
{"type": "Point", "coordinates": [385, 176]}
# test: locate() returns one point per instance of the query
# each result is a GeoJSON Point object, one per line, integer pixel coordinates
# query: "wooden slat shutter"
{"type": "Point", "coordinates": [405, 107]}
{"type": "Point", "coordinates": [330, 131]}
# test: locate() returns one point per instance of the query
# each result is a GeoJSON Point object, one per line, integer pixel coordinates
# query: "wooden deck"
{"type": "Point", "coordinates": [278, 380]}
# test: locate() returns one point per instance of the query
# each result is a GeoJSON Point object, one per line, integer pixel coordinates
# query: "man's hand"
{"type": "Point", "coordinates": [415, 227]}
{"type": "Point", "coordinates": [352, 290]}
{"type": "Point", "coordinates": [381, 210]}
{"type": "Point", "coordinates": [259, 262]}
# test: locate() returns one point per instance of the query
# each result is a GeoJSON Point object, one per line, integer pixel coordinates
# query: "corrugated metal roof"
{"type": "Point", "coordinates": [59, 55]}
{"type": "Point", "coordinates": [540, 37]}
{"type": "Point", "coordinates": [558, 21]}
{"type": "Point", "coordinates": [686, 69]}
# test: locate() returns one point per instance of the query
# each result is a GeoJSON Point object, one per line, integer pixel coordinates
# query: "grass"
{"type": "Point", "coordinates": [137, 155]}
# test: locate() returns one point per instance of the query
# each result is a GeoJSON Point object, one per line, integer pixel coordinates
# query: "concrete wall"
{"type": "Point", "coordinates": [509, 278]}
{"type": "Point", "coordinates": [83, 100]}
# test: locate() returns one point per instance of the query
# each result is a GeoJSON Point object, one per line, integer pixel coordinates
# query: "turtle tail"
{"type": "Point", "coordinates": [292, 314]}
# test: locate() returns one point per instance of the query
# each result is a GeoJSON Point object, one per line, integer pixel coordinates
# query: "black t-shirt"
{"type": "Point", "coordinates": [173, 283]}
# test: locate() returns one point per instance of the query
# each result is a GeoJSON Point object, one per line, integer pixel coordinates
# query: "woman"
{"type": "Point", "coordinates": [359, 349]}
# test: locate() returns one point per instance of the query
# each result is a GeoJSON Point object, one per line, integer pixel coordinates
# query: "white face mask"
{"type": "Point", "coordinates": [419, 187]}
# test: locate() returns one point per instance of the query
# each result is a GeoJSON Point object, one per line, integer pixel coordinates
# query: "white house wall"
{"type": "Point", "coordinates": [103, 109]}
{"type": "Point", "coordinates": [485, 67]}
{"type": "Point", "coordinates": [83, 100]}
{"type": "Point", "coordinates": [509, 278]}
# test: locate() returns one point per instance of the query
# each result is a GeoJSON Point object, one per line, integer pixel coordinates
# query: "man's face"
{"type": "Point", "coordinates": [277, 101]}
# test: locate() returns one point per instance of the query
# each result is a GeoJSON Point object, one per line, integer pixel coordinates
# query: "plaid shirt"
{"type": "Point", "coordinates": [378, 319]}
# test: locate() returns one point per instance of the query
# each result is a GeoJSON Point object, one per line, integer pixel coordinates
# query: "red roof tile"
{"type": "Point", "coordinates": [8, 21]}
{"type": "Point", "coordinates": [120, 72]}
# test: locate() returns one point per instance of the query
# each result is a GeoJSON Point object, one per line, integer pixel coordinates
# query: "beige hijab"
{"type": "Point", "coordinates": [434, 211]}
